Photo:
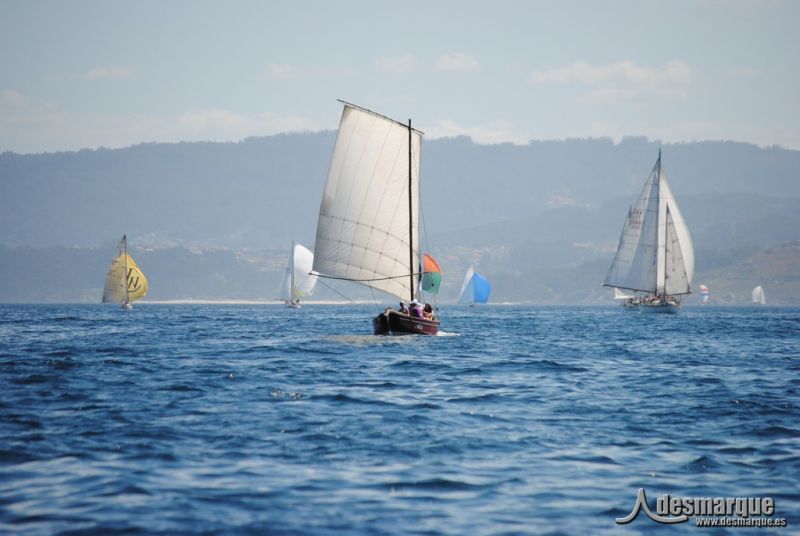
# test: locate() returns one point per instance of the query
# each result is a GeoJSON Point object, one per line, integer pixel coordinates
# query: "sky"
{"type": "Point", "coordinates": [94, 74]}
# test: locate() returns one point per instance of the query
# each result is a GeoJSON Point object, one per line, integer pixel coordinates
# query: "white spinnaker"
{"type": "Point", "coordinates": [304, 280]}
{"type": "Point", "coordinates": [634, 266]}
{"type": "Point", "coordinates": [667, 204]}
{"type": "Point", "coordinates": [363, 232]}
{"type": "Point", "coordinates": [298, 265]}
{"type": "Point", "coordinates": [466, 295]}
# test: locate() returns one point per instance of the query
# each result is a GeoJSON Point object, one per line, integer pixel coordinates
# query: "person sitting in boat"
{"type": "Point", "coordinates": [414, 309]}
{"type": "Point", "coordinates": [403, 308]}
{"type": "Point", "coordinates": [427, 312]}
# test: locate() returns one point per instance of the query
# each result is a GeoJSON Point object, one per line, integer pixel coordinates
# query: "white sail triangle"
{"type": "Point", "coordinates": [674, 237]}
{"type": "Point", "coordinates": [759, 296]}
{"type": "Point", "coordinates": [465, 295]}
{"type": "Point", "coordinates": [297, 281]}
{"type": "Point", "coordinates": [363, 232]}
{"type": "Point", "coordinates": [676, 280]}
{"type": "Point", "coordinates": [634, 265]}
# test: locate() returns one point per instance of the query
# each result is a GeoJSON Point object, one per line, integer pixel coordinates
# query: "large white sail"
{"type": "Point", "coordinates": [363, 232]}
{"type": "Point", "coordinates": [670, 216]}
{"type": "Point", "coordinates": [634, 266]}
{"type": "Point", "coordinates": [304, 280]}
{"type": "Point", "coordinates": [676, 280]}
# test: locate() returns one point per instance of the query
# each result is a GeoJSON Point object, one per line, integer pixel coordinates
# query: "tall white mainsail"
{"type": "Point", "coordinates": [676, 279]}
{"type": "Point", "coordinates": [634, 266]}
{"type": "Point", "coordinates": [298, 281]}
{"type": "Point", "coordinates": [363, 232]}
{"type": "Point", "coordinates": [655, 252]}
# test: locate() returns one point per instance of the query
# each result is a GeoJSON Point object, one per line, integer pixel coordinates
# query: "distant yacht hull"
{"type": "Point", "coordinates": [392, 322]}
{"type": "Point", "coordinates": [659, 308]}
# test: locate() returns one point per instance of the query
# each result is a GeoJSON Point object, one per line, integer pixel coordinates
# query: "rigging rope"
{"type": "Point", "coordinates": [336, 291]}
{"type": "Point", "coordinates": [425, 233]}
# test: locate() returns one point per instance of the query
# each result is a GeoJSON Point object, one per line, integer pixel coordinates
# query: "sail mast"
{"type": "Point", "coordinates": [410, 218]}
{"type": "Point", "coordinates": [666, 212]}
{"type": "Point", "coordinates": [125, 275]}
{"type": "Point", "coordinates": [666, 249]}
{"type": "Point", "coordinates": [291, 263]}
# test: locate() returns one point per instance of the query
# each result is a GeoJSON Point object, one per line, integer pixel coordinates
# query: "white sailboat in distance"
{"type": "Point", "coordinates": [705, 294]}
{"type": "Point", "coordinates": [759, 296]}
{"type": "Point", "coordinates": [474, 289]}
{"type": "Point", "coordinates": [655, 255]}
{"type": "Point", "coordinates": [629, 301]}
{"type": "Point", "coordinates": [298, 281]}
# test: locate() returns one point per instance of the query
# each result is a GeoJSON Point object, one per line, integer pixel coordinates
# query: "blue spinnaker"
{"type": "Point", "coordinates": [480, 288]}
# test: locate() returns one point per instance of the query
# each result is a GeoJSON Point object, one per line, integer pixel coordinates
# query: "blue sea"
{"type": "Point", "coordinates": [267, 420]}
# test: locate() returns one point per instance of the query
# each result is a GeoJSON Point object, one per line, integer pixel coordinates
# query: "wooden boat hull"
{"type": "Point", "coordinates": [395, 323]}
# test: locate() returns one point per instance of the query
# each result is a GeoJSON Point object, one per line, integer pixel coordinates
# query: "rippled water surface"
{"type": "Point", "coordinates": [210, 418]}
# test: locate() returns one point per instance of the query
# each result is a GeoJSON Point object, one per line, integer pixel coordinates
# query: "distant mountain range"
{"type": "Point", "coordinates": [541, 221]}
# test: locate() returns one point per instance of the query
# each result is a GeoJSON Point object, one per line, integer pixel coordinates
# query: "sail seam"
{"type": "Point", "coordinates": [375, 278]}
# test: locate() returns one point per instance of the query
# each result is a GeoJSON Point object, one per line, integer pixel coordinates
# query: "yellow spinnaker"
{"type": "Point", "coordinates": [137, 282]}
{"type": "Point", "coordinates": [125, 281]}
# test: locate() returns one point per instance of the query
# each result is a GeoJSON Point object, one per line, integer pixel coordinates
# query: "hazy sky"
{"type": "Point", "coordinates": [87, 74]}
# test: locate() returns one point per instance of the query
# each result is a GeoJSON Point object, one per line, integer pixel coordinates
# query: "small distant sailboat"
{"type": "Point", "coordinates": [368, 227]}
{"type": "Point", "coordinates": [125, 281]}
{"type": "Point", "coordinates": [475, 288]}
{"type": "Point", "coordinates": [705, 294]}
{"type": "Point", "coordinates": [759, 296]}
{"type": "Point", "coordinates": [630, 300]}
{"type": "Point", "coordinates": [298, 281]}
{"type": "Point", "coordinates": [655, 253]}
